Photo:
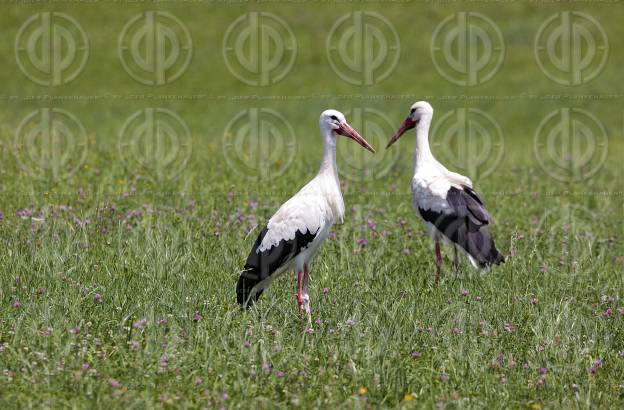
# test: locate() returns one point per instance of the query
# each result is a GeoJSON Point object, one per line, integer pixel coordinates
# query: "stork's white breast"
{"type": "Point", "coordinates": [310, 210]}
{"type": "Point", "coordinates": [429, 192]}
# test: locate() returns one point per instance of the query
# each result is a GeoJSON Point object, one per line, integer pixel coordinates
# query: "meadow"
{"type": "Point", "coordinates": [119, 252]}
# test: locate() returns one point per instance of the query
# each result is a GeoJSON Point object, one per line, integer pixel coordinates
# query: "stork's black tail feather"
{"type": "Point", "coordinates": [262, 263]}
{"type": "Point", "coordinates": [465, 223]}
{"type": "Point", "coordinates": [481, 247]}
{"type": "Point", "coordinates": [247, 280]}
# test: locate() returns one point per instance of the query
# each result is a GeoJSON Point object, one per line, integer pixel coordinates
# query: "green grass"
{"type": "Point", "coordinates": [161, 248]}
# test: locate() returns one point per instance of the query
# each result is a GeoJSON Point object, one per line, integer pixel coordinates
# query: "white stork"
{"type": "Point", "coordinates": [292, 237]}
{"type": "Point", "coordinates": [446, 201]}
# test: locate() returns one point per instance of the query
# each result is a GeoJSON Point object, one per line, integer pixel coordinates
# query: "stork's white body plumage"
{"type": "Point", "coordinates": [430, 186]}
{"type": "Point", "coordinates": [446, 200]}
{"type": "Point", "coordinates": [316, 206]}
{"type": "Point", "coordinates": [294, 234]}
{"type": "Point", "coordinates": [315, 209]}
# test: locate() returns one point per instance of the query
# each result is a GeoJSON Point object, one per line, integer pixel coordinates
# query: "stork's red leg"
{"type": "Point", "coordinates": [306, 297]}
{"type": "Point", "coordinates": [306, 279]}
{"type": "Point", "coordinates": [299, 292]}
{"type": "Point", "coordinates": [438, 260]}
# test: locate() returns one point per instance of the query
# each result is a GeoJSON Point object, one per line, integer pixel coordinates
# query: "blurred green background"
{"type": "Point", "coordinates": [164, 238]}
{"type": "Point", "coordinates": [207, 96]}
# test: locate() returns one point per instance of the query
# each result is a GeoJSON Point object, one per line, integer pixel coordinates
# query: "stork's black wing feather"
{"type": "Point", "coordinates": [466, 203]}
{"type": "Point", "coordinates": [466, 225]}
{"type": "Point", "coordinates": [261, 264]}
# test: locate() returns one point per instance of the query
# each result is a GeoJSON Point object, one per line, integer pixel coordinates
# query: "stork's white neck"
{"type": "Point", "coordinates": [422, 154]}
{"type": "Point", "coordinates": [328, 163]}
{"type": "Point", "coordinates": [328, 177]}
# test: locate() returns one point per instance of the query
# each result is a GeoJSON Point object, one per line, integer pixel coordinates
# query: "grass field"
{"type": "Point", "coordinates": [118, 261]}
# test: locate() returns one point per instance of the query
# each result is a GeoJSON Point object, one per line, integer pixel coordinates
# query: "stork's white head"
{"type": "Point", "coordinates": [333, 123]}
{"type": "Point", "coordinates": [419, 111]}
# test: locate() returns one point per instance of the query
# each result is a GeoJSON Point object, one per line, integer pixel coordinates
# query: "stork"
{"type": "Point", "coordinates": [293, 235]}
{"type": "Point", "coordinates": [446, 201]}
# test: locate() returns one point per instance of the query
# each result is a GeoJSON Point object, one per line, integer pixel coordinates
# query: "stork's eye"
{"type": "Point", "coordinates": [333, 117]}
{"type": "Point", "coordinates": [412, 110]}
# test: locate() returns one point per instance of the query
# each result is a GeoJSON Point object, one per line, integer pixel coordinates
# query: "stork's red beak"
{"type": "Point", "coordinates": [348, 131]}
{"type": "Point", "coordinates": [408, 124]}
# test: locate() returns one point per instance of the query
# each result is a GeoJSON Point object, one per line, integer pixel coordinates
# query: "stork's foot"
{"type": "Point", "coordinates": [300, 302]}
{"type": "Point", "coordinates": [306, 308]}
{"type": "Point", "coordinates": [303, 300]}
